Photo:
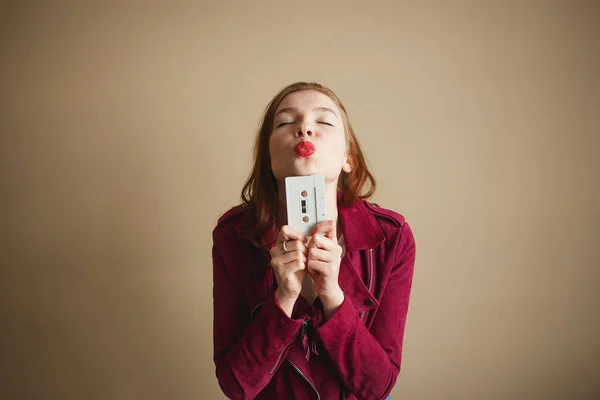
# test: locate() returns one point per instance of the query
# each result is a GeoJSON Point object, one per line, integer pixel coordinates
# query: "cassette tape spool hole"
{"type": "Point", "coordinates": [304, 194]}
{"type": "Point", "coordinates": [303, 203]}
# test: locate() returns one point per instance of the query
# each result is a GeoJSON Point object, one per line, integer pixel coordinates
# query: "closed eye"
{"type": "Point", "coordinates": [325, 123]}
{"type": "Point", "coordinates": [283, 123]}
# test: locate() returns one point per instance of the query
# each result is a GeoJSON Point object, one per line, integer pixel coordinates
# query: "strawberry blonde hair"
{"type": "Point", "coordinates": [260, 194]}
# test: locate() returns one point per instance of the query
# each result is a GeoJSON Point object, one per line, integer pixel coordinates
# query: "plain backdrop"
{"type": "Point", "coordinates": [127, 130]}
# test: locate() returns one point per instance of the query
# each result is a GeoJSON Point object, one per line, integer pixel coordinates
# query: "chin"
{"type": "Point", "coordinates": [300, 173]}
{"type": "Point", "coordinates": [300, 167]}
{"type": "Point", "coordinates": [305, 172]}
{"type": "Point", "coordinates": [281, 175]}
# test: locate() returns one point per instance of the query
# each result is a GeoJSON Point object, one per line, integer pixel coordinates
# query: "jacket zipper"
{"type": "Point", "coordinates": [286, 347]}
{"type": "Point", "coordinates": [305, 377]}
{"type": "Point", "coordinates": [254, 310]}
{"type": "Point", "coordinates": [370, 270]}
{"type": "Point", "coordinates": [369, 279]}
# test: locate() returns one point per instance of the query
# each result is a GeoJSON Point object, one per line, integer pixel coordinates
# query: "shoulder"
{"type": "Point", "coordinates": [385, 214]}
{"type": "Point", "coordinates": [391, 223]}
{"type": "Point", "coordinates": [229, 222]}
{"type": "Point", "coordinates": [232, 215]}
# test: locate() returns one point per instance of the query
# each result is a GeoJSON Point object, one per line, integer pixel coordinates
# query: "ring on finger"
{"type": "Point", "coordinates": [284, 246]}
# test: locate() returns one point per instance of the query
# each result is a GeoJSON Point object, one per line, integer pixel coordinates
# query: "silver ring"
{"type": "Point", "coordinates": [284, 246]}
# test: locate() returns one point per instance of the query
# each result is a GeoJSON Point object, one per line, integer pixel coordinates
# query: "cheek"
{"type": "Point", "coordinates": [271, 149]}
{"type": "Point", "coordinates": [274, 145]}
{"type": "Point", "coordinates": [276, 154]}
{"type": "Point", "coordinates": [337, 149]}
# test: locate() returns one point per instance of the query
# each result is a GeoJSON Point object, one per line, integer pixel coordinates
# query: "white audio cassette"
{"type": "Point", "coordinates": [305, 198]}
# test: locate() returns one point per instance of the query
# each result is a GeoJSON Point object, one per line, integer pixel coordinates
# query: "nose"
{"type": "Point", "coordinates": [304, 131]}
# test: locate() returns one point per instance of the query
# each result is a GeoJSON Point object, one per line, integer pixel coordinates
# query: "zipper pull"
{"type": "Point", "coordinates": [314, 347]}
{"type": "Point", "coordinates": [305, 344]}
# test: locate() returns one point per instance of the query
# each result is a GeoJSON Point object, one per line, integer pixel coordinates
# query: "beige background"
{"type": "Point", "coordinates": [127, 130]}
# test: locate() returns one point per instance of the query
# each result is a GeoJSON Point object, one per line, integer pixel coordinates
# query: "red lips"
{"type": "Point", "coordinates": [305, 149]}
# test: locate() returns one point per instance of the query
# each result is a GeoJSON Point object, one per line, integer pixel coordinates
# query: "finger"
{"type": "Point", "coordinates": [277, 251]}
{"type": "Point", "coordinates": [323, 242]}
{"type": "Point", "coordinates": [288, 262]}
{"type": "Point", "coordinates": [317, 267]}
{"type": "Point", "coordinates": [288, 232]}
{"type": "Point", "coordinates": [323, 255]}
{"type": "Point", "coordinates": [326, 227]}
{"type": "Point", "coordinates": [292, 256]}
{"type": "Point", "coordinates": [293, 245]}
{"type": "Point", "coordinates": [293, 267]}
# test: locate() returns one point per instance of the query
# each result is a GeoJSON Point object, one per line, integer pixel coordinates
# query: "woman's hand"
{"type": "Point", "coordinates": [324, 257]}
{"type": "Point", "coordinates": [289, 267]}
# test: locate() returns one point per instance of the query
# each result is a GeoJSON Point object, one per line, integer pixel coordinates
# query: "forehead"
{"type": "Point", "coordinates": [305, 100]}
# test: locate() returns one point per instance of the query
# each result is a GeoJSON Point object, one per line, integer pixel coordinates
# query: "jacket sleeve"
{"type": "Point", "coordinates": [369, 361]}
{"type": "Point", "coordinates": [246, 352]}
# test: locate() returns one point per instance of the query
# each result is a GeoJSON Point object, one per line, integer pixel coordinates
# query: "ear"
{"type": "Point", "coordinates": [347, 166]}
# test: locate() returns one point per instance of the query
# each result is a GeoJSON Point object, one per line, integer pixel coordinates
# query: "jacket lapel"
{"type": "Point", "coordinates": [361, 232]}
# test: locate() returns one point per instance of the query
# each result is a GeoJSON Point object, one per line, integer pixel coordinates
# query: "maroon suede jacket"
{"type": "Point", "coordinates": [261, 353]}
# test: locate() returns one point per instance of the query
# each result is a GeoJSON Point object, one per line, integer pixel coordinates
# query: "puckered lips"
{"type": "Point", "coordinates": [305, 149]}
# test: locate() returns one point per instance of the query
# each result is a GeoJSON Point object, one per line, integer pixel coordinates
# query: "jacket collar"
{"type": "Point", "coordinates": [359, 226]}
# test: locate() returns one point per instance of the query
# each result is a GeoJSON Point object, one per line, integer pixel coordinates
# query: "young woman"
{"type": "Point", "coordinates": [318, 317]}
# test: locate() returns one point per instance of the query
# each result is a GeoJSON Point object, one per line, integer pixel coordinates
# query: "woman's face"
{"type": "Point", "coordinates": [308, 115]}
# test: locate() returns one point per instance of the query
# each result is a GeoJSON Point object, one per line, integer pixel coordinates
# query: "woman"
{"type": "Point", "coordinates": [319, 317]}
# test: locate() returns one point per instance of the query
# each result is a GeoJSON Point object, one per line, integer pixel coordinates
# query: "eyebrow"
{"type": "Point", "coordinates": [292, 109]}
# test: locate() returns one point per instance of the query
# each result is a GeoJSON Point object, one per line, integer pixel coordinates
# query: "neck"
{"type": "Point", "coordinates": [330, 202]}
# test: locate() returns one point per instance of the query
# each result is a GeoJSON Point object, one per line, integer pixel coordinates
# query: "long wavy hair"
{"type": "Point", "coordinates": [260, 192]}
